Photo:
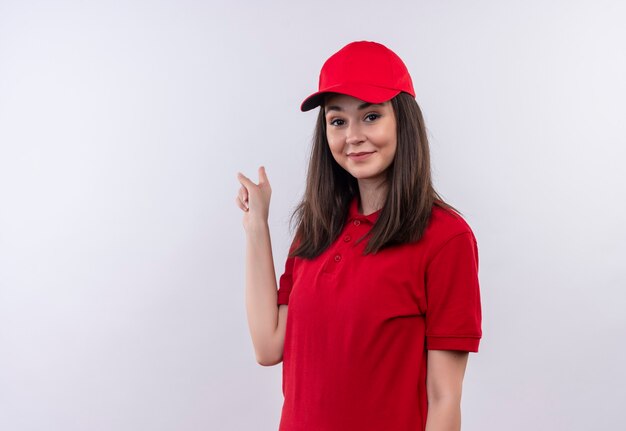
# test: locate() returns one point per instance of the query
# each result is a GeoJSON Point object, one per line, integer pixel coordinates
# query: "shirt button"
{"type": "Point", "coordinates": [357, 222]}
{"type": "Point", "coordinates": [337, 258]}
{"type": "Point", "coordinates": [346, 238]}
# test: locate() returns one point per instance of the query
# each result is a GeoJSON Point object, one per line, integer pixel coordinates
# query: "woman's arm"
{"type": "Point", "coordinates": [261, 289]}
{"type": "Point", "coordinates": [444, 383]}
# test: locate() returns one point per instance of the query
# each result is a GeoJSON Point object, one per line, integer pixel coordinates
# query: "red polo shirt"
{"type": "Point", "coordinates": [359, 327]}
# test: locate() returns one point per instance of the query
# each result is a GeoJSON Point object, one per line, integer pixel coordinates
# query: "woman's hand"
{"type": "Point", "coordinates": [254, 199]}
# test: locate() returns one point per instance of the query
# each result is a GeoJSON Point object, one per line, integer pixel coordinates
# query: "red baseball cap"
{"type": "Point", "coordinates": [366, 70]}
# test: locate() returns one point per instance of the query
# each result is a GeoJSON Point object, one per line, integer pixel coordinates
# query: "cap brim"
{"type": "Point", "coordinates": [367, 93]}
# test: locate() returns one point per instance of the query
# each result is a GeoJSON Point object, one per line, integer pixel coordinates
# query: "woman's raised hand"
{"type": "Point", "coordinates": [254, 199]}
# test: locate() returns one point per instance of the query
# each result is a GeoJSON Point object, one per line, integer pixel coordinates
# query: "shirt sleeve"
{"type": "Point", "coordinates": [286, 282]}
{"type": "Point", "coordinates": [453, 308]}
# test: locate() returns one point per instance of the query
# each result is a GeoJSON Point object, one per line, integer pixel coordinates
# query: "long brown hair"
{"type": "Point", "coordinates": [322, 212]}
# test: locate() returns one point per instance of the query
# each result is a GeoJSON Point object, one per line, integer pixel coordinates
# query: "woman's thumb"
{"type": "Point", "coordinates": [245, 181]}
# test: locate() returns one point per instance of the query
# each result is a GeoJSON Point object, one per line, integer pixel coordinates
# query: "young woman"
{"type": "Point", "coordinates": [381, 280]}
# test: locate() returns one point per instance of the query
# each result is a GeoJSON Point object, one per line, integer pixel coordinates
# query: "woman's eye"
{"type": "Point", "coordinates": [339, 122]}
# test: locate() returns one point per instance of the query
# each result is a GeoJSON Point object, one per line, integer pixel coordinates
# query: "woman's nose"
{"type": "Point", "coordinates": [354, 135]}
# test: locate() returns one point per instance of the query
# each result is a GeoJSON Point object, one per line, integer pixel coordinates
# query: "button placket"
{"type": "Point", "coordinates": [343, 248]}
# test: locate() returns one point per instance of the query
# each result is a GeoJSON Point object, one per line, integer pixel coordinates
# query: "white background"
{"type": "Point", "coordinates": [122, 127]}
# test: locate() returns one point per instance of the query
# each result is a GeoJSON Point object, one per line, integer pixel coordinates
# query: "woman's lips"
{"type": "Point", "coordinates": [360, 156]}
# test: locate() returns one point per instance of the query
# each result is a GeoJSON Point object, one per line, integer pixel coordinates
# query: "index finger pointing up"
{"type": "Point", "coordinates": [262, 175]}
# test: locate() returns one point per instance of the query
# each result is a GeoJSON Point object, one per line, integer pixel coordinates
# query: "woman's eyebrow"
{"type": "Point", "coordinates": [361, 106]}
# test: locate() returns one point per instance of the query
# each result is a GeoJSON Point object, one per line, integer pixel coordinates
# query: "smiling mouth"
{"type": "Point", "coordinates": [357, 157]}
{"type": "Point", "coordinates": [359, 154]}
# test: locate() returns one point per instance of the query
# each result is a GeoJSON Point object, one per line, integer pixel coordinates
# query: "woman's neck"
{"type": "Point", "coordinates": [372, 196]}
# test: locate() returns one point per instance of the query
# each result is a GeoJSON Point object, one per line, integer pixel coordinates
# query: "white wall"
{"type": "Point", "coordinates": [122, 127]}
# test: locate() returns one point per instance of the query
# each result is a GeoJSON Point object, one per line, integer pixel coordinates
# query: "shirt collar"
{"type": "Point", "coordinates": [353, 212]}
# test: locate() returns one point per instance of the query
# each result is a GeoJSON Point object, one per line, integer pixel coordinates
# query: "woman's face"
{"type": "Point", "coordinates": [361, 136]}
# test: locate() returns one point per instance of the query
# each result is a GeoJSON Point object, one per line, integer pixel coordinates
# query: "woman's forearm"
{"type": "Point", "coordinates": [444, 415]}
{"type": "Point", "coordinates": [261, 291]}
